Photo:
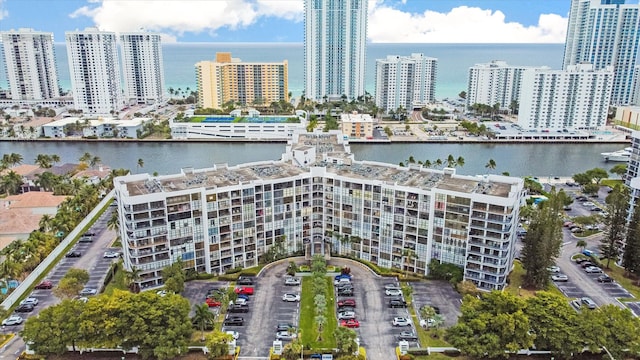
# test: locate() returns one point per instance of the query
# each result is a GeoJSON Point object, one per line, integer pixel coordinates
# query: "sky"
{"type": "Point", "coordinates": [389, 21]}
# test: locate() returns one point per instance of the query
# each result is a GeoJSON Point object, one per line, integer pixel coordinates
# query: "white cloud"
{"type": "Point", "coordinates": [463, 24]}
{"type": "Point", "coordinates": [460, 25]}
{"type": "Point", "coordinates": [3, 12]}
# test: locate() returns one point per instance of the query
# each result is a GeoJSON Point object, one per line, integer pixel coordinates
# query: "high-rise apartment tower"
{"type": "Point", "coordinates": [335, 35]}
{"type": "Point", "coordinates": [142, 67]}
{"type": "Point", "coordinates": [30, 64]}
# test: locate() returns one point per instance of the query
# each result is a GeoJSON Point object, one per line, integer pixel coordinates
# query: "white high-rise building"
{"type": "Point", "coordinates": [407, 81]}
{"type": "Point", "coordinates": [334, 48]}
{"type": "Point", "coordinates": [30, 64]}
{"type": "Point", "coordinates": [605, 33]}
{"type": "Point", "coordinates": [495, 82]}
{"type": "Point", "coordinates": [576, 98]}
{"type": "Point", "coordinates": [94, 71]}
{"type": "Point", "coordinates": [142, 67]}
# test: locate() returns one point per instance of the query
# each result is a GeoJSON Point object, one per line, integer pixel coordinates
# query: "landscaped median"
{"type": "Point", "coordinates": [308, 327]}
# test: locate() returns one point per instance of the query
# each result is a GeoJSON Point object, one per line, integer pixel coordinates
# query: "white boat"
{"type": "Point", "coordinates": [618, 156]}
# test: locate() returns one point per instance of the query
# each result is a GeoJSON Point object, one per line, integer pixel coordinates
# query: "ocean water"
{"type": "Point", "coordinates": [454, 60]}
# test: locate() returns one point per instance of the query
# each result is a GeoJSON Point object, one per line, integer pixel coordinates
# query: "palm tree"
{"type": "Point", "coordinates": [55, 159]}
{"type": "Point", "coordinates": [43, 160]}
{"type": "Point", "coordinates": [460, 161]}
{"type": "Point", "coordinates": [45, 223]}
{"type": "Point", "coordinates": [203, 316]}
{"type": "Point", "coordinates": [582, 244]}
{"type": "Point", "coordinates": [114, 222]}
{"type": "Point", "coordinates": [11, 182]}
{"type": "Point", "coordinates": [85, 158]}
{"type": "Point", "coordinates": [132, 279]}
{"type": "Point", "coordinates": [47, 180]}
{"type": "Point", "coordinates": [451, 161]}
{"type": "Point", "coordinates": [140, 163]}
{"type": "Point", "coordinates": [491, 164]}
{"type": "Point", "coordinates": [95, 161]}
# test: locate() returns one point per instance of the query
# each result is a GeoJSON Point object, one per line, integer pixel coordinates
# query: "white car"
{"type": "Point", "coordinates": [559, 277]}
{"type": "Point", "coordinates": [234, 334]}
{"type": "Point", "coordinates": [292, 281]}
{"type": "Point", "coordinates": [427, 323]}
{"type": "Point", "coordinates": [346, 315]}
{"type": "Point", "coordinates": [401, 321]}
{"type": "Point", "coordinates": [30, 300]}
{"type": "Point", "coordinates": [285, 335]}
{"type": "Point", "coordinates": [393, 292]}
{"type": "Point", "coordinates": [291, 297]}
{"type": "Point", "coordinates": [593, 270]}
{"type": "Point", "coordinates": [88, 291]}
{"type": "Point", "coordinates": [241, 301]}
{"type": "Point", "coordinates": [588, 204]}
{"type": "Point", "coordinates": [553, 269]}
{"type": "Point", "coordinates": [391, 287]}
{"type": "Point", "coordinates": [12, 320]}
{"type": "Point", "coordinates": [111, 254]}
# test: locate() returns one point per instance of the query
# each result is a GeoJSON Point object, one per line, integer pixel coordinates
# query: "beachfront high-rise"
{"type": "Point", "coordinates": [493, 83]}
{"type": "Point", "coordinates": [605, 33]}
{"type": "Point", "coordinates": [142, 67]}
{"type": "Point", "coordinates": [30, 64]}
{"type": "Point", "coordinates": [405, 81]}
{"type": "Point", "coordinates": [94, 71]}
{"type": "Point", "coordinates": [558, 100]}
{"type": "Point", "coordinates": [335, 35]}
{"type": "Point", "coordinates": [248, 83]}
{"type": "Point", "coordinates": [319, 200]}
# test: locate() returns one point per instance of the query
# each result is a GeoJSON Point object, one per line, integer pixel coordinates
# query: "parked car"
{"type": "Point", "coordinates": [342, 281]}
{"type": "Point", "coordinates": [342, 276]}
{"type": "Point", "coordinates": [73, 254]}
{"type": "Point", "coordinates": [88, 291]}
{"type": "Point", "coordinates": [401, 321]}
{"type": "Point", "coordinates": [590, 304]}
{"type": "Point", "coordinates": [592, 227]}
{"type": "Point", "coordinates": [12, 320]}
{"type": "Point", "coordinates": [346, 309]}
{"type": "Point", "coordinates": [47, 284]}
{"type": "Point", "coordinates": [407, 336]}
{"type": "Point", "coordinates": [291, 281]}
{"type": "Point", "coordinates": [24, 308]}
{"type": "Point", "coordinates": [234, 321]}
{"type": "Point", "coordinates": [212, 302]}
{"type": "Point", "coordinates": [347, 302]}
{"type": "Point", "coordinates": [346, 315]}
{"type": "Point", "coordinates": [244, 290]}
{"type": "Point", "coordinates": [85, 239]}
{"type": "Point", "coordinates": [393, 292]}
{"type": "Point", "coordinates": [30, 300]}
{"type": "Point", "coordinates": [89, 233]}
{"type": "Point", "coordinates": [577, 230]}
{"type": "Point", "coordinates": [244, 280]}
{"type": "Point", "coordinates": [391, 287]}
{"type": "Point", "coordinates": [351, 323]}
{"type": "Point", "coordinates": [240, 301]}
{"type": "Point", "coordinates": [560, 277]}
{"type": "Point", "coordinates": [345, 292]}
{"type": "Point", "coordinates": [111, 254]}
{"type": "Point", "coordinates": [397, 303]}
{"type": "Point", "coordinates": [235, 308]}
{"type": "Point", "coordinates": [586, 264]}
{"type": "Point", "coordinates": [605, 279]}
{"type": "Point", "coordinates": [285, 335]}
{"type": "Point", "coordinates": [234, 334]}
{"type": "Point", "coordinates": [553, 269]}
{"type": "Point", "coordinates": [285, 327]}
{"type": "Point", "coordinates": [581, 260]}
{"type": "Point", "coordinates": [593, 270]}
{"type": "Point", "coordinates": [291, 297]}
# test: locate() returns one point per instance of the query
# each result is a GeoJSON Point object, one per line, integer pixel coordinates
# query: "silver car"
{"type": "Point", "coordinates": [12, 320]}
{"type": "Point", "coordinates": [346, 315]}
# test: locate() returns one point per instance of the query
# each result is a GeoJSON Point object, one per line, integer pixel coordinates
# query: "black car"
{"type": "Point", "coordinates": [586, 264]}
{"type": "Point", "coordinates": [408, 336]}
{"type": "Point", "coordinates": [605, 279]}
{"type": "Point", "coordinates": [216, 291]}
{"type": "Point", "coordinates": [73, 254]}
{"type": "Point", "coordinates": [24, 308]}
{"type": "Point", "coordinates": [345, 292]}
{"type": "Point", "coordinates": [237, 308]}
{"type": "Point", "coordinates": [234, 321]}
{"type": "Point", "coordinates": [244, 280]}
{"type": "Point", "coordinates": [395, 303]}
{"type": "Point", "coordinates": [89, 234]}
{"type": "Point", "coordinates": [285, 327]}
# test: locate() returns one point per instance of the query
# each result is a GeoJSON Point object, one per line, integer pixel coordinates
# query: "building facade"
{"type": "Point", "coordinates": [605, 33]}
{"type": "Point", "coordinates": [30, 64]}
{"type": "Point", "coordinates": [319, 200]}
{"type": "Point", "coordinates": [229, 79]}
{"type": "Point", "coordinates": [576, 98]}
{"type": "Point", "coordinates": [95, 71]}
{"type": "Point", "coordinates": [335, 35]}
{"type": "Point", "coordinates": [142, 67]}
{"type": "Point", "coordinates": [405, 81]}
{"type": "Point", "coordinates": [493, 83]}
{"type": "Point", "coordinates": [357, 126]}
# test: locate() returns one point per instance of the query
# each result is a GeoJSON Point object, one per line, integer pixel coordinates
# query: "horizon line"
{"type": "Point", "coordinates": [368, 43]}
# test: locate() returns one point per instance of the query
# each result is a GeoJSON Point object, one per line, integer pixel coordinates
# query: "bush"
{"type": "Point", "coordinates": [449, 272]}
{"type": "Point", "coordinates": [452, 353]}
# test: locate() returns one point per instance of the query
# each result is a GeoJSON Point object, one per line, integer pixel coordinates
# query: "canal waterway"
{"type": "Point", "coordinates": [170, 157]}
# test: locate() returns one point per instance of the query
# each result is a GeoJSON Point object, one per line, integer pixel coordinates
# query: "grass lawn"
{"type": "Point", "coordinates": [617, 273]}
{"type": "Point", "coordinates": [197, 119]}
{"type": "Point", "coordinates": [117, 282]}
{"type": "Point", "coordinates": [587, 233]}
{"type": "Point", "coordinates": [309, 334]}
{"type": "Point", "coordinates": [516, 280]}
{"type": "Point", "coordinates": [611, 182]}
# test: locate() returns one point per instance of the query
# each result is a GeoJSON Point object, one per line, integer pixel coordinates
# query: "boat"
{"type": "Point", "coordinates": [618, 156]}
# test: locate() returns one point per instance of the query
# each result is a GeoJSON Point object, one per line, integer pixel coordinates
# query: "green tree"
{"type": "Point", "coordinates": [492, 327]}
{"type": "Point", "coordinates": [202, 316]}
{"type": "Point", "coordinates": [582, 244]}
{"type": "Point", "coordinates": [582, 178]}
{"type": "Point", "coordinates": [491, 164]}
{"type": "Point", "coordinates": [345, 340]}
{"type": "Point", "coordinates": [218, 343]}
{"type": "Point", "coordinates": [43, 160]}
{"type": "Point", "coordinates": [597, 174]}
{"type": "Point", "coordinates": [55, 328]}
{"type": "Point", "coordinates": [619, 169]}
{"type": "Point", "coordinates": [615, 221]}
{"type": "Point", "coordinates": [554, 323]}
{"type": "Point", "coordinates": [174, 277]}
{"type": "Point", "coordinates": [612, 327]}
{"type": "Point", "coordinates": [543, 241]}
{"type": "Point", "coordinates": [631, 256]}
{"type": "Point", "coordinates": [11, 182]}
{"type": "Point", "coordinates": [140, 163]}
{"type": "Point", "coordinates": [462, 94]}
{"type": "Point", "coordinates": [71, 283]}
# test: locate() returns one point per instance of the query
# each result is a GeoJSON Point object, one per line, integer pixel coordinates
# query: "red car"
{"type": "Point", "coordinates": [47, 284]}
{"type": "Point", "coordinates": [244, 290]}
{"type": "Point", "coordinates": [212, 302]}
{"type": "Point", "coordinates": [351, 323]}
{"type": "Point", "coordinates": [347, 302]}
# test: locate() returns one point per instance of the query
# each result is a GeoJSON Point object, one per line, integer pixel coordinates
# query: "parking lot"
{"type": "Point", "coordinates": [634, 307]}
{"type": "Point", "coordinates": [571, 290]}
{"type": "Point", "coordinates": [439, 294]}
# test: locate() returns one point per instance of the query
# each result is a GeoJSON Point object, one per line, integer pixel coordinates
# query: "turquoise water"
{"type": "Point", "coordinates": [454, 61]}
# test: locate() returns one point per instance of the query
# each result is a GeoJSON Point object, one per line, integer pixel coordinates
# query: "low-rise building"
{"type": "Point", "coordinates": [96, 127]}
{"type": "Point", "coordinates": [319, 200]}
{"type": "Point", "coordinates": [359, 126]}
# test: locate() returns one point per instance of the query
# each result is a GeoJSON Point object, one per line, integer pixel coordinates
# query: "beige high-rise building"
{"type": "Point", "coordinates": [248, 83]}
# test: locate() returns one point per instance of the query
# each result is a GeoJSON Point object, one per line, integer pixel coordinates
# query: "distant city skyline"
{"type": "Point", "coordinates": [390, 21]}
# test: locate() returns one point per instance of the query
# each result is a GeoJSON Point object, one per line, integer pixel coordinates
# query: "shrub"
{"type": "Point", "coordinates": [449, 272]}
